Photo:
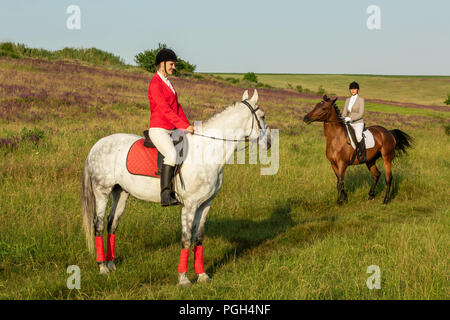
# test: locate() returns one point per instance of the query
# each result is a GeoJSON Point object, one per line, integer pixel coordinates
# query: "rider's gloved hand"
{"type": "Point", "coordinates": [190, 129]}
{"type": "Point", "coordinates": [348, 119]}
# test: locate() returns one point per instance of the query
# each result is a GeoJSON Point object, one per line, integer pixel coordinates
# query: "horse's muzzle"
{"type": "Point", "coordinates": [307, 119]}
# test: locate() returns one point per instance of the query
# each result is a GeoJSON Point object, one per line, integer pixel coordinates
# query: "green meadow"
{"type": "Point", "coordinates": [279, 236]}
{"type": "Point", "coordinates": [425, 90]}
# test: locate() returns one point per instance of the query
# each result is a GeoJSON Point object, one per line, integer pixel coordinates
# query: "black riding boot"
{"type": "Point", "coordinates": [167, 195]}
{"type": "Point", "coordinates": [362, 151]}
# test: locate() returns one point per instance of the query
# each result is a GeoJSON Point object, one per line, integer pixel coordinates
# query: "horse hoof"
{"type": "Point", "coordinates": [183, 280]}
{"type": "Point", "coordinates": [386, 201]}
{"type": "Point", "coordinates": [203, 278]}
{"type": "Point", "coordinates": [371, 197]}
{"type": "Point", "coordinates": [111, 266]}
{"type": "Point", "coordinates": [185, 283]}
{"type": "Point", "coordinates": [103, 269]}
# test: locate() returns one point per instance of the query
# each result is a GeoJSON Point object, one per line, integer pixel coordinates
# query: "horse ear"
{"type": "Point", "coordinates": [245, 95]}
{"type": "Point", "coordinates": [325, 98]}
{"type": "Point", "coordinates": [254, 98]}
{"type": "Point", "coordinates": [334, 100]}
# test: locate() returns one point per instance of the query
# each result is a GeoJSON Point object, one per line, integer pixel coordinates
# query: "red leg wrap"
{"type": "Point", "coordinates": [184, 258]}
{"type": "Point", "coordinates": [100, 249]}
{"type": "Point", "coordinates": [110, 254]}
{"type": "Point", "coordinates": [198, 260]}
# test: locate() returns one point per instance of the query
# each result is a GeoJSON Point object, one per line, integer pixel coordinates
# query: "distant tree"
{"type": "Point", "coordinates": [7, 50]}
{"type": "Point", "coordinates": [184, 66]}
{"type": "Point", "coordinates": [147, 58]}
{"type": "Point", "coordinates": [321, 90]}
{"type": "Point", "coordinates": [251, 77]}
{"type": "Point", "coordinates": [147, 61]}
{"type": "Point", "coordinates": [447, 102]}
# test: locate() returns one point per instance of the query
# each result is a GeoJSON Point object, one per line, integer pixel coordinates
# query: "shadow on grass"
{"type": "Point", "coordinates": [248, 234]}
{"type": "Point", "coordinates": [355, 179]}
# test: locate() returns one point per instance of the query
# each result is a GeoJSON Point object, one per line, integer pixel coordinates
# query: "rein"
{"type": "Point", "coordinates": [339, 120]}
{"type": "Point", "coordinates": [253, 111]}
{"type": "Point", "coordinates": [329, 115]}
{"type": "Point", "coordinates": [346, 132]}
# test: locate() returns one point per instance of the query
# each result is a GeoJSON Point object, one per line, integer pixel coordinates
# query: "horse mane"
{"type": "Point", "coordinates": [228, 109]}
{"type": "Point", "coordinates": [336, 108]}
{"type": "Point", "coordinates": [338, 112]}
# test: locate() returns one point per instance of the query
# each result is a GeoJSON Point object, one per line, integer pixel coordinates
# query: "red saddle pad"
{"type": "Point", "coordinates": [142, 160]}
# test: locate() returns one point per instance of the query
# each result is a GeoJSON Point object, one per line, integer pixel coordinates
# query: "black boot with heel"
{"type": "Point", "coordinates": [362, 151]}
{"type": "Point", "coordinates": [167, 194]}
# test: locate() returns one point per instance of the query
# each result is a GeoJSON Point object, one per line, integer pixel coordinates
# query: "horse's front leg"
{"type": "Point", "coordinates": [371, 165]}
{"type": "Point", "coordinates": [199, 232]}
{"type": "Point", "coordinates": [339, 170]}
{"type": "Point", "coordinates": [187, 218]}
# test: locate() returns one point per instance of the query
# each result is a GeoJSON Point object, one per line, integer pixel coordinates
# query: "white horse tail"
{"type": "Point", "coordinates": [88, 198]}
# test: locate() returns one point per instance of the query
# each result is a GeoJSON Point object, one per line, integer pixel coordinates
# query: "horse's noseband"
{"type": "Point", "coordinates": [254, 116]}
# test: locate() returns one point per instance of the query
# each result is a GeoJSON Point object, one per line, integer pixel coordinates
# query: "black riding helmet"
{"type": "Point", "coordinates": [165, 55]}
{"type": "Point", "coordinates": [354, 85]}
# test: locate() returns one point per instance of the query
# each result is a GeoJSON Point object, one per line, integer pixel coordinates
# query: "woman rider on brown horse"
{"type": "Point", "coordinates": [353, 115]}
{"type": "Point", "coordinates": [340, 152]}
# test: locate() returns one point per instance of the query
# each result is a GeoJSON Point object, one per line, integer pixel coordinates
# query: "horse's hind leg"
{"type": "Point", "coordinates": [371, 165]}
{"type": "Point", "coordinates": [387, 159]}
{"type": "Point", "coordinates": [120, 198]}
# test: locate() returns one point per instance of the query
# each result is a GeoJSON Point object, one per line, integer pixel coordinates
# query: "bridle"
{"type": "Point", "coordinates": [329, 115]}
{"type": "Point", "coordinates": [254, 116]}
{"type": "Point", "coordinates": [339, 120]}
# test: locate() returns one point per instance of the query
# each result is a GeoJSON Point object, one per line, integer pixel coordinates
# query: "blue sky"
{"type": "Point", "coordinates": [322, 36]}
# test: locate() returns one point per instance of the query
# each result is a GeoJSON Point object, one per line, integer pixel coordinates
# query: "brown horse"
{"type": "Point", "coordinates": [340, 152]}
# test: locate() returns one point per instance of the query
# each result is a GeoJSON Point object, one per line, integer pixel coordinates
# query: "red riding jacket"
{"type": "Point", "coordinates": [165, 110]}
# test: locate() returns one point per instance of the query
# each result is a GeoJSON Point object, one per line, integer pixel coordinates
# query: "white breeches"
{"type": "Point", "coordinates": [163, 142]}
{"type": "Point", "coordinates": [358, 127]}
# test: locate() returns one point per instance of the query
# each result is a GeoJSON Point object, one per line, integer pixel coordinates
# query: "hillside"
{"type": "Point", "coordinates": [414, 91]}
{"type": "Point", "coordinates": [267, 237]}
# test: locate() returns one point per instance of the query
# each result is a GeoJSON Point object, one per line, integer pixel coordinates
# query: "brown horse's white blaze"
{"type": "Point", "coordinates": [339, 151]}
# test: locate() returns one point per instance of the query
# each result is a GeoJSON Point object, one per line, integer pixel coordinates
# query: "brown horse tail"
{"type": "Point", "coordinates": [403, 141]}
{"type": "Point", "coordinates": [88, 199]}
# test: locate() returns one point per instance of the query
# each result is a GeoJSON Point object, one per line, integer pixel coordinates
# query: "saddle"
{"type": "Point", "coordinates": [358, 151]}
{"type": "Point", "coordinates": [144, 158]}
{"type": "Point", "coordinates": [180, 157]}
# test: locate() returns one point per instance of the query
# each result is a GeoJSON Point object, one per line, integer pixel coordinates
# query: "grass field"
{"type": "Point", "coordinates": [427, 90]}
{"type": "Point", "coordinates": [267, 237]}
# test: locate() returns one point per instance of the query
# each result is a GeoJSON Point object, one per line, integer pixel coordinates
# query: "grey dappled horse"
{"type": "Point", "coordinates": [105, 172]}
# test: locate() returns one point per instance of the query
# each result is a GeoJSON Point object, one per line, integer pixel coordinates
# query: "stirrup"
{"type": "Point", "coordinates": [167, 199]}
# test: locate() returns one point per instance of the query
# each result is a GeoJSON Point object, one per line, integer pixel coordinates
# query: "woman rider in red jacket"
{"type": "Point", "coordinates": [166, 116]}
